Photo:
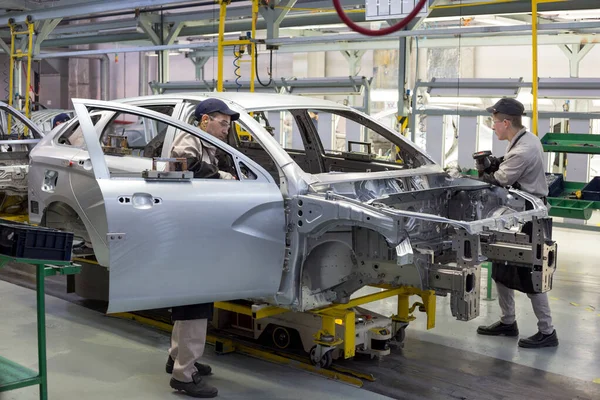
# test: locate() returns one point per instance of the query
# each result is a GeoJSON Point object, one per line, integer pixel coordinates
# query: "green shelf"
{"type": "Point", "coordinates": [15, 376]}
{"type": "Point", "coordinates": [569, 208]}
{"type": "Point", "coordinates": [571, 143]}
{"type": "Point", "coordinates": [12, 375]}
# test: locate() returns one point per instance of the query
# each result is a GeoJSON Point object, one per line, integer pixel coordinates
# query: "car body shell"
{"type": "Point", "coordinates": [292, 238]}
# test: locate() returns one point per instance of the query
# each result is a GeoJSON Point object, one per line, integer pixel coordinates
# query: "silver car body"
{"type": "Point", "coordinates": [304, 241]}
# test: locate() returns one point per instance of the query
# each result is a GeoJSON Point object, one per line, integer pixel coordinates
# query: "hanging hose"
{"type": "Point", "coordinates": [6, 77]}
{"type": "Point", "coordinates": [269, 71]}
{"type": "Point", "coordinates": [236, 64]}
{"type": "Point", "coordinates": [394, 28]}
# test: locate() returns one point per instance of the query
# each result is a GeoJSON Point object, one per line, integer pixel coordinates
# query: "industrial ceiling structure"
{"type": "Point", "coordinates": [294, 23]}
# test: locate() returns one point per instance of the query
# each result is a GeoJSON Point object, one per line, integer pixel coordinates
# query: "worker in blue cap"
{"type": "Point", "coordinates": [190, 322]}
{"type": "Point", "coordinates": [60, 119]}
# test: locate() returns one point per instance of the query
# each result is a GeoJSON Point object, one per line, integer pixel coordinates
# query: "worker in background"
{"type": "Point", "coordinates": [60, 119]}
{"type": "Point", "coordinates": [191, 321]}
{"type": "Point", "coordinates": [522, 168]}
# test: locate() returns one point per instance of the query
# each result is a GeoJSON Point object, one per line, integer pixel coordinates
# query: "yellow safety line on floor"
{"type": "Point", "coordinates": [85, 260]}
{"type": "Point", "coordinates": [361, 375]}
{"type": "Point", "coordinates": [256, 353]}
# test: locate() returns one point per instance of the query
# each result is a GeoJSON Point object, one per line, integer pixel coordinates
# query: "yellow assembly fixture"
{"type": "Point", "coordinates": [249, 42]}
{"type": "Point", "coordinates": [17, 55]}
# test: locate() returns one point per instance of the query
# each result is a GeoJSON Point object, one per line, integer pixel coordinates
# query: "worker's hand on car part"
{"type": "Point", "coordinates": [494, 164]}
{"type": "Point", "coordinates": [481, 164]}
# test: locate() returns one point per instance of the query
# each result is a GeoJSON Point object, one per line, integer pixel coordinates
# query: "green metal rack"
{"type": "Point", "coordinates": [12, 375]}
{"type": "Point", "coordinates": [582, 143]}
{"type": "Point", "coordinates": [568, 204]}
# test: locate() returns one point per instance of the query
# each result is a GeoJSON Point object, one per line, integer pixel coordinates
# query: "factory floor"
{"type": "Point", "coordinates": [92, 356]}
{"type": "Point", "coordinates": [95, 357]}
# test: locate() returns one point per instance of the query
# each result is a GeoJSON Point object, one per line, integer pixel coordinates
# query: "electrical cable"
{"type": "Point", "coordinates": [386, 31]}
{"type": "Point", "coordinates": [269, 71]}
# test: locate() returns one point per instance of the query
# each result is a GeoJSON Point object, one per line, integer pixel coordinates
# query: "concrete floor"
{"type": "Point", "coordinates": [92, 356]}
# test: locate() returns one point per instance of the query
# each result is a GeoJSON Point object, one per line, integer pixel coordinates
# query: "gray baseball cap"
{"type": "Point", "coordinates": [507, 106]}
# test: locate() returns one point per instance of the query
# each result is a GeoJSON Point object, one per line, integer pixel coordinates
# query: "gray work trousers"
{"type": "Point", "coordinates": [187, 346]}
{"type": "Point", "coordinates": [539, 302]}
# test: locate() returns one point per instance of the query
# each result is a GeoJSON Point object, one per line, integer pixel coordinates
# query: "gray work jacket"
{"type": "Point", "coordinates": [524, 163]}
{"type": "Point", "coordinates": [186, 145]}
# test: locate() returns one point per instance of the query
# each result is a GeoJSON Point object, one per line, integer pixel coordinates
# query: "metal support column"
{"type": "Point", "coordinates": [143, 80]}
{"type": "Point", "coordinates": [435, 139]}
{"type": "Point", "coordinates": [578, 165]}
{"type": "Point", "coordinates": [534, 58]}
{"type": "Point", "coordinates": [354, 131]}
{"type": "Point", "coordinates": [199, 63]}
{"type": "Point", "coordinates": [44, 30]}
{"type": "Point", "coordinates": [403, 104]}
{"type": "Point", "coordinates": [467, 140]}
{"type": "Point", "coordinates": [273, 14]}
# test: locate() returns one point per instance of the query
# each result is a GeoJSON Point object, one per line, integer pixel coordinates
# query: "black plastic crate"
{"type": "Point", "coordinates": [28, 241]}
{"type": "Point", "coordinates": [555, 184]}
{"type": "Point", "coordinates": [591, 191]}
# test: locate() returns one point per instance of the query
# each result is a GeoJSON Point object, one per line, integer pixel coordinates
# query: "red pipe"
{"type": "Point", "coordinates": [381, 32]}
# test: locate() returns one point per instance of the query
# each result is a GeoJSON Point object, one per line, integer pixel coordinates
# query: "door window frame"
{"type": "Point", "coordinates": [97, 156]}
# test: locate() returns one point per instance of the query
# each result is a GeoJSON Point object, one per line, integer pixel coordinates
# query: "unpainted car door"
{"type": "Point", "coordinates": [10, 116]}
{"type": "Point", "coordinates": [187, 241]}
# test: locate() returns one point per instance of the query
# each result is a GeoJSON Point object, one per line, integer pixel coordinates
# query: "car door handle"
{"type": "Point", "coordinates": [141, 201]}
{"type": "Point", "coordinates": [84, 163]}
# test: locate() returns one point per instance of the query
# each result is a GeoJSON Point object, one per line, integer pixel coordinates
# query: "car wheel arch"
{"type": "Point", "coordinates": [61, 215]}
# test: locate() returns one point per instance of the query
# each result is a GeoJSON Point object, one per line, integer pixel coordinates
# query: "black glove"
{"type": "Point", "coordinates": [494, 164]}
{"type": "Point", "coordinates": [489, 178]}
{"type": "Point", "coordinates": [488, 164]}
{"type": "Point", "coordinates": [201, 169]}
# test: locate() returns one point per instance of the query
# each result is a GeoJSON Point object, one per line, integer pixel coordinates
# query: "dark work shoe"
{"type": "Point", "coordinates": [196, 388]}
{"type": "Point", "coordinates": [499, 329]}
{"type": "Point", "coordinates": [540, 340]}
{"type": "Point", "coordinates": [202, 369]}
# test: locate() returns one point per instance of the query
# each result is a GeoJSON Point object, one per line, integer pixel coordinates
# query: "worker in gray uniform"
{"type": "Point", "coordinates": [521, 168]}
{"type": "Point", "coordinates": [190, 322]}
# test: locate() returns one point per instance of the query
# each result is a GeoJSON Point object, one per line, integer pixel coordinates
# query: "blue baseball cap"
{"type": "Point", "coordinates": [215, 105]}
{"type": "Point", "coordinates": [62, 117]}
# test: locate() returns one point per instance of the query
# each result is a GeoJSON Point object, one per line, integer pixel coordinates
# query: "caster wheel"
{"type": "Point", "coordinates": [400, 335]}
{"type": "Point", "coordinates": [325, 361]}
{"type": "Point", "coordinates": [281, 337]}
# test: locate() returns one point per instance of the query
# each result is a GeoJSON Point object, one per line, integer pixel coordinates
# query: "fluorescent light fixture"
{"type": "Point", "coordinates": [596, 103]}
{"type": "Point", "coordinates": [154, 54]}
{"type": "Point", "coordinates": [460, 100]}
{"type": "Point", "coordinates": [384, 95]}
{"type": "Point", "coordinates": [472, 87]}
{"type": "Point", "coordinates": [499, 21]}
{"type": "Point", "coordinates": [527, 98]}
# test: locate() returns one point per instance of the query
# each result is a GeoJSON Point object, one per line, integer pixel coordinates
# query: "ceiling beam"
{"type": "Point", "coordinates": [95, 7]}
{"type": "Point", "coordinates": [514, 7]}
